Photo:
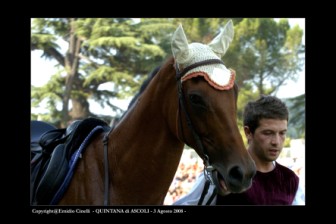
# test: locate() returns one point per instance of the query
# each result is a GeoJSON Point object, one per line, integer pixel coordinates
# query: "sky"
{"type": "Point", "coordinates": [297, 88]}
{"type": "Point", "coordinates": [41, 71]}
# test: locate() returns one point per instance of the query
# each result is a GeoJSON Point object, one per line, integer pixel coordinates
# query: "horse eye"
{"type": "Point", "coordinates": [197, 100]}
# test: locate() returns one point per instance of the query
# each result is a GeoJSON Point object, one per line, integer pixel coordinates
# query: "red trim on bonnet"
{"type": "Point", "coordinates": [212, 83]}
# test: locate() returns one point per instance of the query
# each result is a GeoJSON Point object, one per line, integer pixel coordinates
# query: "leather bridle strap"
{"type": "Point", "coordinates": [180, 74]}
{"type": "Point", "coordinates": [182, 104]}
{"type": "Point", "coordinates": [205, 190]}
{"type": "Point", "coordinates": [209, 169]}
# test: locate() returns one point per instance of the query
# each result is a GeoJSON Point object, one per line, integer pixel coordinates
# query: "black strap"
{"type": "Point", "coordinates": [214, 193]}
{"type": "Point", "coordinates": [204, 192]}
{"type": "Point", "coordinates": [197, 64]}
{"type": "Point", "coordinates": [182, 105]}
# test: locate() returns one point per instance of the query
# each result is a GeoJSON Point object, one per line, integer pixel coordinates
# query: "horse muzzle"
{"type": "Point", "coordinates": [235, 181]}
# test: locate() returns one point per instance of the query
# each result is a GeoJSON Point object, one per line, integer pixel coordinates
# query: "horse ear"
{"type": "Point", "coordinates": [221, 43]}
{"type": "Point", "coordinates": [180, 46]}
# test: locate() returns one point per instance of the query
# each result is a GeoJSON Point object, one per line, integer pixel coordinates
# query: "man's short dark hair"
{"type": "Point", "coordinates": [269, 107]}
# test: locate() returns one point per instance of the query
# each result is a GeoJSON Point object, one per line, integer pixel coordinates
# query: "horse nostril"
{"type": "Point", "coordinates": [236, 174]}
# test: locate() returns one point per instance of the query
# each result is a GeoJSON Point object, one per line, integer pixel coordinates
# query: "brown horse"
{"type": "Point", "coordinates": [190, 100]}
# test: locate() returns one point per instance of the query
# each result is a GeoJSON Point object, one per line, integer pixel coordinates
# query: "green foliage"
{"type": "Point", "coordinates": [122, 51]}
{"type": "Point", "coordinates": [287, 142]}
{"type": "Point", "coordinates": [41, 41]}
{"type": "Point", "coordinates": [265, 53]}
{"type": "Point", "coordinates": [244, 96]}
{"type": "Point", "coordinates": [111, 50]}
{"type": "Point", "coordinates": [296, 123]}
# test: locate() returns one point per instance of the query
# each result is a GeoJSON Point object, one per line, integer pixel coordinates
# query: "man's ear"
{"type": "Point", "coordinates": [248, 133]}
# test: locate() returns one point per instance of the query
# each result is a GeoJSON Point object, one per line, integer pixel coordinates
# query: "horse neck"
{"type": "Point", "coordinates": [145, 148]}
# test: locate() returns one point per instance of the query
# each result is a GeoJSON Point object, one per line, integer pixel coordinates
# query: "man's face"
{"type": "Point", "coordinates": [268, 139]}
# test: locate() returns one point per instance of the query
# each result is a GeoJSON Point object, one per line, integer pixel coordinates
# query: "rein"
{"type": "Point", "coordinates": [210, 172]}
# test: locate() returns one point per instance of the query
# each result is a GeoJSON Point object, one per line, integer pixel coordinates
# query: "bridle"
{"type": "Point", "coordinates": [210, 172]}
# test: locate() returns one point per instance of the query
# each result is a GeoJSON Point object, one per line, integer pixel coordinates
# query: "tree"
{"type": "Point", "coordinates": [296, 123]}
{"type": "Point", "coordinates": [265, 53]}
{"type": "Point", "coordinates": [121, 51]}
{"type": "Point", "coordinates": [116, 50]}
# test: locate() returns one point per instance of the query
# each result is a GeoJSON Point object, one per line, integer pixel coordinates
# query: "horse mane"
{"type": "Point", "coordinates": [143, 86]}
{"type": "Point", "coordinates": [136, 96]}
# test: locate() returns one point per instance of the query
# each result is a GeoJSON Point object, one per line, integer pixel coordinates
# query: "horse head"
{"type": "Point", "coordinates": [208, 108]}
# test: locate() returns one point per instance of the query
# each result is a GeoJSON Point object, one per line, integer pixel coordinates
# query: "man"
{"type": "Point", "coordinates": [265, 127]}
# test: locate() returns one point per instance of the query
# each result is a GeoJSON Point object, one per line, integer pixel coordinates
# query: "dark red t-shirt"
{"type": "Point", "coordinates": [277, 187]}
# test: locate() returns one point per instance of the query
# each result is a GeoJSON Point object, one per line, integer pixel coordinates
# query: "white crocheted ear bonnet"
{"type": "Point", "coordinates": [186, 54]}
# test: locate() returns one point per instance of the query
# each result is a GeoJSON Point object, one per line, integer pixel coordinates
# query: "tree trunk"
{"type": "Point", "coordinates": [71, 66]}
{"type": "Point", "coordinates": [80, 109]}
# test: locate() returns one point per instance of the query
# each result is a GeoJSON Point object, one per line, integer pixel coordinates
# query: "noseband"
{"type": "Point", "coordinates": [209, 171]}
